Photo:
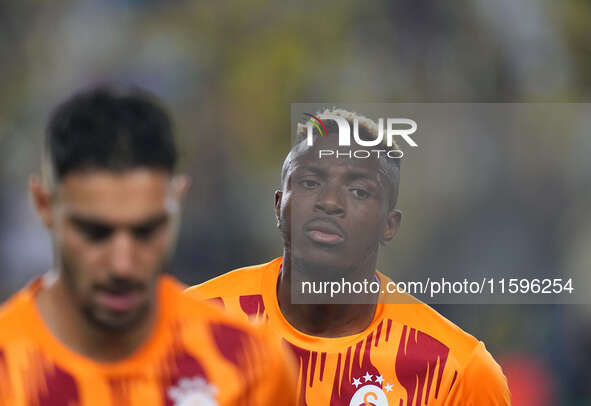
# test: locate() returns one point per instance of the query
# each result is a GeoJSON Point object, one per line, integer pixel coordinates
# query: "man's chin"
{"type": "Point", "coordinates": [322, 266]}
{"type": "Point", "coordinates": [116, 322]}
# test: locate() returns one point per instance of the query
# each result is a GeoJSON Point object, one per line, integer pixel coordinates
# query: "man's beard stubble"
{"type": "Point", "coordinates": [91, 312]}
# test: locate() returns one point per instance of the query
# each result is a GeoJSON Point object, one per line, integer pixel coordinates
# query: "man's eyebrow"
{"type": "Point", "coordinates": [88, 220]}
{"type": "Point", "coordinates": [317, 170]}
{"type": "Point", "coordinates": [356, 174]}
{"type": "Point", "coordinates": [151, 222]}
{"type": "Point", "coordinates": [154, 220]}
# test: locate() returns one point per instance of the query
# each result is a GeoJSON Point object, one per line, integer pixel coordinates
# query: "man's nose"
{"type": "Point", "coordinates": [122, 255]}
{"type": "Point", "coordinates": [331, 200]}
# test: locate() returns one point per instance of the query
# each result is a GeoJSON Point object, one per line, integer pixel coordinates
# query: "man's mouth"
{"type": "Point", "coordinates": [324, 232]}
{"type": "Point", "coordinates": [119, 301]}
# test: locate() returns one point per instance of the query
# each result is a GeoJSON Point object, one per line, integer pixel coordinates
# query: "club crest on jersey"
{"type": "Point", "coordinates": [371, 391]}
{"type": "Point", "coordinates": [193, 392]}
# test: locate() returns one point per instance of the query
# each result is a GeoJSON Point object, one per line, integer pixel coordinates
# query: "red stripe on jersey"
{"type": "Point", "coordinates": [252, 305]}
{"type": "Point", "coordinates": [417, 356]}
{"type": "Point", "coordinates": [343, 388]}
{"type": "Point", "coordinates": [61, 387]}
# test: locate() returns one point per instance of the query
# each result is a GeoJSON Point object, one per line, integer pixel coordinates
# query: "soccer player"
{"type": "Point", "coordinates": [333, 214]}
{"type": "Point", "coordinates": [106, 326]}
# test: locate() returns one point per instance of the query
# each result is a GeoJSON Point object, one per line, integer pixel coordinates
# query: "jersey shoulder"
{"type": "Point", "coordinates": [418, 316]}
{"type": "Point", "coordinates": [476, 364]}
{"type": "Point", "coordinates": [242, 281]}
{"type": "Point", "coordinates": [424, 318]}
{"type": "Point", "coordinates": [481, 382]}
{"type": "Point", "coordinates": [13, 315]}
{"type": "Point", "coordinates": [194, 308]}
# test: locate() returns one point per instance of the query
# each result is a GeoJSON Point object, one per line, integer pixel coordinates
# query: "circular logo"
{"type": "Point", "coordinates": [369, 395]}
{"type": "Point", "coordinates": [193, 392]}
{"type": "Point", "coordinates": [197, 399]}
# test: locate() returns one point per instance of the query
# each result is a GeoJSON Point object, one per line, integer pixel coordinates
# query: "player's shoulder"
{"type": "Point", "coordinates": [226, 325]}
{"type": "Point", "coordinates": [241, 281]}
{"type": "Point", "coordinates": [481, 381]}
{"type": "Point", "coordinates": [415, 314]}
{"type": "Point", "coordinates": [13, 314]}
{"type": "Point", "coordinates": [428, 320]}
{"type": "Point", "coordinates": [463, 346]}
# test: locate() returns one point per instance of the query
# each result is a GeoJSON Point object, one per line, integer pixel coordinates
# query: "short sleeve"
{"type": "Point", "coordinates": [481, 382]}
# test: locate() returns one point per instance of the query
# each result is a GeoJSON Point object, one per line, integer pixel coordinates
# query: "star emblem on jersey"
{"type": "Point", "coordinates": [371, 390]}
{"type": "Point", "coordinates": [193, 392]}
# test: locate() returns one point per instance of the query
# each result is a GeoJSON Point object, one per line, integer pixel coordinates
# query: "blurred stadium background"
{"type": "Point", "coordinates": [228, 72]}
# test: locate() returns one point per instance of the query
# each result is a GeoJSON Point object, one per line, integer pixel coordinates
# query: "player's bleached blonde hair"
{"type": "Point", "coordinates": [368, 131]}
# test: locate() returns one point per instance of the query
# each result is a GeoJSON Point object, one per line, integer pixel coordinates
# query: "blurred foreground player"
{"type": "Point", "coordinates": [333, 214]}
{"type": "Point", "coordinates": [106, 326]}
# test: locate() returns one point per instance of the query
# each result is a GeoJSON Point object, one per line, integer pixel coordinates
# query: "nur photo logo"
{"type": "Point", "coordinates": [387, 130]}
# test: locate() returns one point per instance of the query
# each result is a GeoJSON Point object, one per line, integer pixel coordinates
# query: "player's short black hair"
{"type": "Point", "coordinates": [109, 127]}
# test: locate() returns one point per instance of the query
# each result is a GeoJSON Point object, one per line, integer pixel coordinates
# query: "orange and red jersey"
{"type": "Point", "coordinates": [196, 355]}
{"type": "Point", "coordinates": [408, 356]}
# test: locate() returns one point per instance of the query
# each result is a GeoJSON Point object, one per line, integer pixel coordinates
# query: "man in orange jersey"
{"type": "Point", "coordinates": [333, 214]}
{"type": "Point", "coordinates": [106, 326]}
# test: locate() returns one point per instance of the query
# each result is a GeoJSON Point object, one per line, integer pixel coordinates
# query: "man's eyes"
{"type": "Point", "coordinates": [94, 232]}
{"type": "Point", "coordinates": [360, 193]}
{"type": "Point", "coordinates": [145, 232]}
{"type": "Point", "coordinates": [97, 233]}
{"type": "Point", "coordinates": [309, 184]}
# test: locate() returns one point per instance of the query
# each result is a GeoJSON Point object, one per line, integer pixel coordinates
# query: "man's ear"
{"type": "Point", "coordinates": [180, 186]}
{"type": "Point", "coordinates": [42, 200]}
{"type": "Point", "coordinates": [278, 196]}
{"type": "Point", "coordinates": [392, 225]}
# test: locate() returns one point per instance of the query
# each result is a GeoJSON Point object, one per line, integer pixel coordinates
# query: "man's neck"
{"type": "Point", "coordinates": [67, 323]}
{"type": "Point", "coordinates": [351, 316]}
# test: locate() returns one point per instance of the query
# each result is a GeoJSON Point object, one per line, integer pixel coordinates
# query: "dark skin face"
{"type": "Point", "coordinates": [333, 214]}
